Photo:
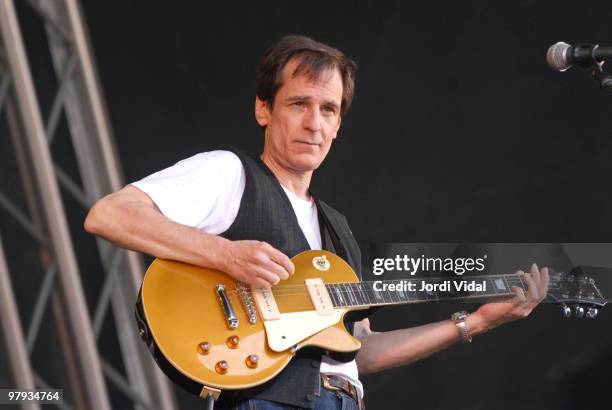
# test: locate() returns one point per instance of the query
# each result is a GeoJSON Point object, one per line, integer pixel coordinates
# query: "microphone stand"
{"type": "Point", "coordinates": [601, 77]}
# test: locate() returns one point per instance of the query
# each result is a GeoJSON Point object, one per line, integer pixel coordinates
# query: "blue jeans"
{"type": "Point", "coordinates": [328, 400]}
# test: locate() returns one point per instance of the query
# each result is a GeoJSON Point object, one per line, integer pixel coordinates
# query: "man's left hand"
{"type": "Point", "coordinates": [493, 314]}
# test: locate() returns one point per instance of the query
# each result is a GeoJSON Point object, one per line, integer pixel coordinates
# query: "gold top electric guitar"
{"type": "Point", "coordinates": [209, 332]}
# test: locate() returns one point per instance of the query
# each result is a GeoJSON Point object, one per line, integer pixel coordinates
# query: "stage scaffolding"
{"type": "Point", "coordinates": [58, 291]}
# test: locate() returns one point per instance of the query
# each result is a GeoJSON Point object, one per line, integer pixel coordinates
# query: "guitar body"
{"type": "Point", "coordinates": [188, 332]}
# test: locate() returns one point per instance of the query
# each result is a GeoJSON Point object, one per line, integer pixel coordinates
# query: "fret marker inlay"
{"type": "Point", "coordinates": [499, 284]}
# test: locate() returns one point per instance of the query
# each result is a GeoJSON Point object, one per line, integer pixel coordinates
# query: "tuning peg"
{"type": "Point", "coordinates": [579, 310]}
{"type": "Point", "coordinates": [566, 310]}
{"type": "Point", "coordinates": [592, 312]}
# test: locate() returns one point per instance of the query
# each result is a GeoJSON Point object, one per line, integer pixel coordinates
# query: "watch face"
{"type": "Point", "coordinates": [459, 315]}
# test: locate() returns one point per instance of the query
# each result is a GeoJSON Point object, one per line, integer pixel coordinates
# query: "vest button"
{"type": "Point", "coordinates": [315, 364]}
{"type": "Point", "coordinates": [310, 397]}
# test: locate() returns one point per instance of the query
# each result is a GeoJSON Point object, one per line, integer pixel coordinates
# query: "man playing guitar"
{"type": "Point", "coordinates": [197, 210]}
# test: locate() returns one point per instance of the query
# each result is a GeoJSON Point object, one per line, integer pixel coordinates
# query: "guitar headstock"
{"type": "Point", "coordinates": [576, 292]}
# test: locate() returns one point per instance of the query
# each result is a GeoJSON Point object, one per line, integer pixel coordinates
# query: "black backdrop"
{"type": "Point", "coordinates": [459, 132]}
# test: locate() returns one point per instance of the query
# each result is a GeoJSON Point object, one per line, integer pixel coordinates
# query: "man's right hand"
{"type": "Point", "coordinates": [254, 262]}
{"type": "Point", "coordinates": [129, 218]}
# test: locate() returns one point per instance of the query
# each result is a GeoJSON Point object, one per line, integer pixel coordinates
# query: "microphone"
{"type": "Point", "coordinates": [561, 56]}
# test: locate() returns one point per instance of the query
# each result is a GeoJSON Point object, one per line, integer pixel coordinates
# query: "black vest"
{"type": "Point", "coordinates": [266, 214]}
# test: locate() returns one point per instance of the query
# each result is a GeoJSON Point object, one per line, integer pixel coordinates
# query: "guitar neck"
{"type": "Point", "coordinates": [419, 290]}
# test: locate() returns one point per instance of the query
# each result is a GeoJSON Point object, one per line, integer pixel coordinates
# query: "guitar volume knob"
{"type": "Point", "coordinates": [232, 341]}
{"type": "Point", "coordinates": [221, 367]}
{"type": "Point", "coordinates": [203, 348]}
{"type": "Point", "coordinates": [252, 361]}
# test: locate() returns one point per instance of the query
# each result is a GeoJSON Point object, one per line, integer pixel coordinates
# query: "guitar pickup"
{"type": "Point", "coordinates": [264, 299]}
{"type": "Point", "coordinates": [319, 296]}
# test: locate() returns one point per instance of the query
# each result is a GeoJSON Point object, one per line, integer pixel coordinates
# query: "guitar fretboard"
{"type": "Point", "coordinates": [400, 291]}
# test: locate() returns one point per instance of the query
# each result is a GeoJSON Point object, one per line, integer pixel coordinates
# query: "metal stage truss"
{"type": "Point", "coordinates": [38, 208]}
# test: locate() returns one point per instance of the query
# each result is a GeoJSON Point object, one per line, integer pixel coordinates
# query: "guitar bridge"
{"type": "Point", "coordinates": [247, 301]}
{"type": "Point", "coordinates": [230, 315]}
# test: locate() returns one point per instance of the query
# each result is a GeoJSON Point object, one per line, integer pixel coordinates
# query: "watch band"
{"type": "Point", "coordinates": [459, 319]}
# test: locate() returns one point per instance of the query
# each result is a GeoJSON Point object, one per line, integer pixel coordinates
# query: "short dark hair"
{"type": "Point", "coordinates": [315, 57]}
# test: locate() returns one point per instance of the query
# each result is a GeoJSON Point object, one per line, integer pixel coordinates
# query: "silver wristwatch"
{"type": "Point", "coordinates": [459, 319]}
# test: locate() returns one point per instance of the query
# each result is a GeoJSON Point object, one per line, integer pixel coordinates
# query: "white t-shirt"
{"type": "Point", "coordinates": [204, 191]}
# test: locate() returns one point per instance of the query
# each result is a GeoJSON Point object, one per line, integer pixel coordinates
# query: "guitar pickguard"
{"type": "Point", "coordinates": [291, 328]}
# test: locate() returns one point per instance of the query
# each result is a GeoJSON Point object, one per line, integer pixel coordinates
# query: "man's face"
{"type": "Point", "coordinates": [304, 121]}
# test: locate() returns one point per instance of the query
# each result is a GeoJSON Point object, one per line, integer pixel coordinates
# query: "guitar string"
{"type": "Point", "coordinates": [498, 276]}
{"type": "Point", "coordinates": [349, 292]}
{"type": "Point", "coordinates": [301, 288]}
{"type": "Point", "coordinates": [348, 302]}
{"type": "Point", "coordinates": [491, 277]}
{"type": "Point", "coordinates": [283, 290]}
{"type": "Point", "coordinates": [304, 291]}
{"type": "Point", "coordinates": [310, 306]}
{"type": "Point", "coordinates": [233, 295]}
